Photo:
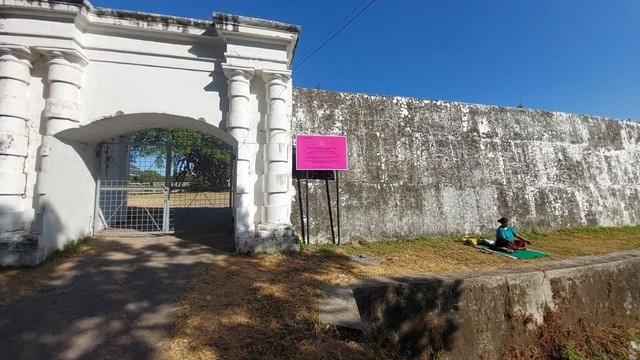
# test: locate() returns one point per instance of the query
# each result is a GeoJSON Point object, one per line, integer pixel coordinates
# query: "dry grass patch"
{"type": "Point", "coordinates": [558, 341]}
{"type": "Point", "coordinates": [587, 241]}
{"type": "Point", "coordinates": [266, 306]}
{"type": "Point", "coordinates": [448, 254]}
{"type": "Point", "coordinates": [262, 307]}
{"type": "Point", "coordinates": [16, 283]}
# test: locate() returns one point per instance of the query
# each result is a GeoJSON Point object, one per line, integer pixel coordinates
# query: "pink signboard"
{"type": "Point", "coordinates": [320, 152]}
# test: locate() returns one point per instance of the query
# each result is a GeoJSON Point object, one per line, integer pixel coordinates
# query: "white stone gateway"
{"type": "Point", "coordinates": [73, 76]}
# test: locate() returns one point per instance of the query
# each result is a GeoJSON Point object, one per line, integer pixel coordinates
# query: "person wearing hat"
{"type": "Point", "coordinates": [507, 237]}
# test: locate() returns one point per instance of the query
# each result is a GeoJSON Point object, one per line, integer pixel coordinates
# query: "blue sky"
{"type": "Point", "coordinates": [577, 56]}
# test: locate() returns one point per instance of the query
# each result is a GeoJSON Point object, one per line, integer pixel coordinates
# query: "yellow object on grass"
{"type": "Point", "coordinates": [471, 241]}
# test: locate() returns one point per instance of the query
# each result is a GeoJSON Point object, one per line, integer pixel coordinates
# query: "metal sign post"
{"type": "Point", "coordinates": [307, 197]}
{"type": "Point", "coordinates": [304, 238]}
{"type": "Point", "coordinates": [338, 204]}
{"type": "Point", "coordinates": [333, 234]}
{"type": "Point", "coordinates": [321, 157]}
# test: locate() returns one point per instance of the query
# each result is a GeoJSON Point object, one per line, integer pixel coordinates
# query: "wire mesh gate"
{"type": "Point", "coordinates": [153, 188]}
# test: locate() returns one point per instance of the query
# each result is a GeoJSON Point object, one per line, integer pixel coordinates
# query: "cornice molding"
{"type": "Point", "coordinates": [232, 70]}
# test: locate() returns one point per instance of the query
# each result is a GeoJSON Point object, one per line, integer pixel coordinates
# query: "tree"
{"type": "Point", "coordinates": [201, 159]}
{"type": "Point", "coordinates": [148, 176]}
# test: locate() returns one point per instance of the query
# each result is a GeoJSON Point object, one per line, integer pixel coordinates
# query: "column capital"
{"type": "Point", "coordinates": [15, 62]}
{"type": "Point", "coordinates": [231, 70]}
{"type": "Point", "coordinates": [72, 56]}
{"type": "Point", "coordinates": [271, 75]}
{"type": "Point", "coordinates": [20, 52]}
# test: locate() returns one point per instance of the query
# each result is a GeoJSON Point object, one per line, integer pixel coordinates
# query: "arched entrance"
{"type": "Point", "coordinates": [167, 174]}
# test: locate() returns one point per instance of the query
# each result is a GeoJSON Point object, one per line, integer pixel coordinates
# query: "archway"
{"type": "Point", "coordinates": [160, 173]}
{"type": "Point", "coordinates": [117, 72]}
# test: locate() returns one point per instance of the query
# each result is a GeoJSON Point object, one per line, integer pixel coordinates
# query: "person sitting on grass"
{"type": "Point", "coordinates": [508, 238]}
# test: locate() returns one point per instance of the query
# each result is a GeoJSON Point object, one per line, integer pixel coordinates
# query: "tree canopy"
{"type": "Point", "coordinates": [200, 159]}
{"type": "Point", "coordinates": [147, 176]}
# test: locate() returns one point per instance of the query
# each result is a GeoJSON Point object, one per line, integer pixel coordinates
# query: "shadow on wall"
{"type": "Point", "coordinates": [117, 299]}
{"type": "Point", "coordinates": [218, 79]}
{"type": "Point", "coordinates": [65, 212]}
{"type": "Point", "coordinates": [389, 315]}
{"type": "Point", "coordinates": [17, 247]}
{"type": "Point", "coordinates": [26, 248]}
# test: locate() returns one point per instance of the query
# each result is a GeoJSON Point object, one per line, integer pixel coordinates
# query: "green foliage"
{"type": "Point", "coordinates": [302, 245]}
{"type": "Point", "coordinates": [569, 353]}
{"type": "Point", "coordinates": [148, 176]}
{"type": "Point", "coordinates": [198, 158]}
{"type": "Point", "coordinates": [325, 247]}
{"type": "Point", "coordinates": [69, 249]}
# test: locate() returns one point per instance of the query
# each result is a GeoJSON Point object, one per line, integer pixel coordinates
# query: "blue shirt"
{"type": "Point", "coordinates": [507, 233]}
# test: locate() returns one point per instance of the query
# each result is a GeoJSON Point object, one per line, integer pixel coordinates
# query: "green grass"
{"type": "Point", "coordinates": [569, 353]}
{"type": "Point", "coordinates": [69, 249]}
{"type": "Point", "coordinates": [582, 238]}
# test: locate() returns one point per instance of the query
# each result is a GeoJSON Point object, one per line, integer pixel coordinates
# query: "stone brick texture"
{"type": "Point", "coordinates": [479, 316]}
{"type": "Point", "coordinates": [429, 167]}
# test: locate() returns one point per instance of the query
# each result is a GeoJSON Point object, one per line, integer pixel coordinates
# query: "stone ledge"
{"type": "Point", "coordinates": [18, 240]}
{"type": "Point", "coordinates": [269, 239]}
{"type": "Point", "coordinates": [462, 314]}
{"type": "Point", "coordinates": [19, 248]}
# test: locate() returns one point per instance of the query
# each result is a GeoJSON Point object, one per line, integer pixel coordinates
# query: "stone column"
{"type": "Point", "coordinates": [238, 125]}
{"type": "Point", "coordinates": [275, 230]}
{"type": "Point", "coordinates": [15, 76]}
{"type": "Point", "coordinates": [62, 111]}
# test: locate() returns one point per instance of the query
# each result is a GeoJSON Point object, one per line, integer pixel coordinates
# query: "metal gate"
{"type": "Point", "coordinates": [153, 188]}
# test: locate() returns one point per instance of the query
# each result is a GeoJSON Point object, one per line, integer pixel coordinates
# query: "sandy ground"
{"type": "Point", "coordinates": [180, 199]}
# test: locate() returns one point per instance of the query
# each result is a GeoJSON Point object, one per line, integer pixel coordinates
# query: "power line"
{"type": "Point", "coordinates": [335, 27]}
{"type": "Point", "coordinates": [337, 32]}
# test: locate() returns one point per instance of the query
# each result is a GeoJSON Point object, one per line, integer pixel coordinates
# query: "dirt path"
{"type": "Point", "coordinates": [116, 302]}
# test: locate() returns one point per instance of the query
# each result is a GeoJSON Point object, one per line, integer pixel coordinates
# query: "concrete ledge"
{"type": "Point", "coordinates": [462, 316]}
{"type": "Point", "coordinates": [339, 308]}
{"type": "Point", "coordinates": [19, 248]}
{"type": "Point", "coordinates": [268, 239]}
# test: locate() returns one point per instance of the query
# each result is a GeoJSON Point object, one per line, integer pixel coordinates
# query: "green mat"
{"type": "Point", "coordinates": [518, 254]}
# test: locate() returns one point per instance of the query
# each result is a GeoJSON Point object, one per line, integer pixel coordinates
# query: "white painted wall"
{"type": "Point", "coordinates": [113, 88]}
{"type": "Point", "coordinates": [69, 201]}
{"type": "Point", "coordinates": [100, 73]}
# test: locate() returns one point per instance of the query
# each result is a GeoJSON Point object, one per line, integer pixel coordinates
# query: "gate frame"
{"type": "Point", "coordinates": [166, 227]}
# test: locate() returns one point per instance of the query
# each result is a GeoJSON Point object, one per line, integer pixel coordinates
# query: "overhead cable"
{"type": "Point", "coordinates": [337, 32]}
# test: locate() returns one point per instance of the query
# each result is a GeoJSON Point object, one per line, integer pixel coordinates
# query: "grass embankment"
{"type": "Point", "coordinates": [266, 306]}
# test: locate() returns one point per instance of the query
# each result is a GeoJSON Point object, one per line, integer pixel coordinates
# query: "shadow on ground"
{"type": "Point", "coordinates": [262, 307]}
{"type": "Point", "coordinates": [267, 307]}
{"type": "Point", "coordinates": [118, 301]}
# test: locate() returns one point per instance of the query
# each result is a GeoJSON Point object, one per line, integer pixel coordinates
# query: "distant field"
{"type": "Point", "coordinates": [186, 199]}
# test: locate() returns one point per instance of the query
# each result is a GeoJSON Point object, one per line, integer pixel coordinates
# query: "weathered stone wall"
{"type": "Point", "coordinates": [466, 316]}
{"type": "Point", "coordinates": [432, 167]}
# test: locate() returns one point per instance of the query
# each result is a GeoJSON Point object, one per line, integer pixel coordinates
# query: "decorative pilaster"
{"type": "Point", "coordinates": [63, 110]}
{"type": "Point", "coordinates": [275, 231]}
{"type": "Point", "coordinates": [277, 174]}
{"type": "Point", "coordinates": [15, 77]}
{"type": "Point", "coordinates": [239, 125]}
